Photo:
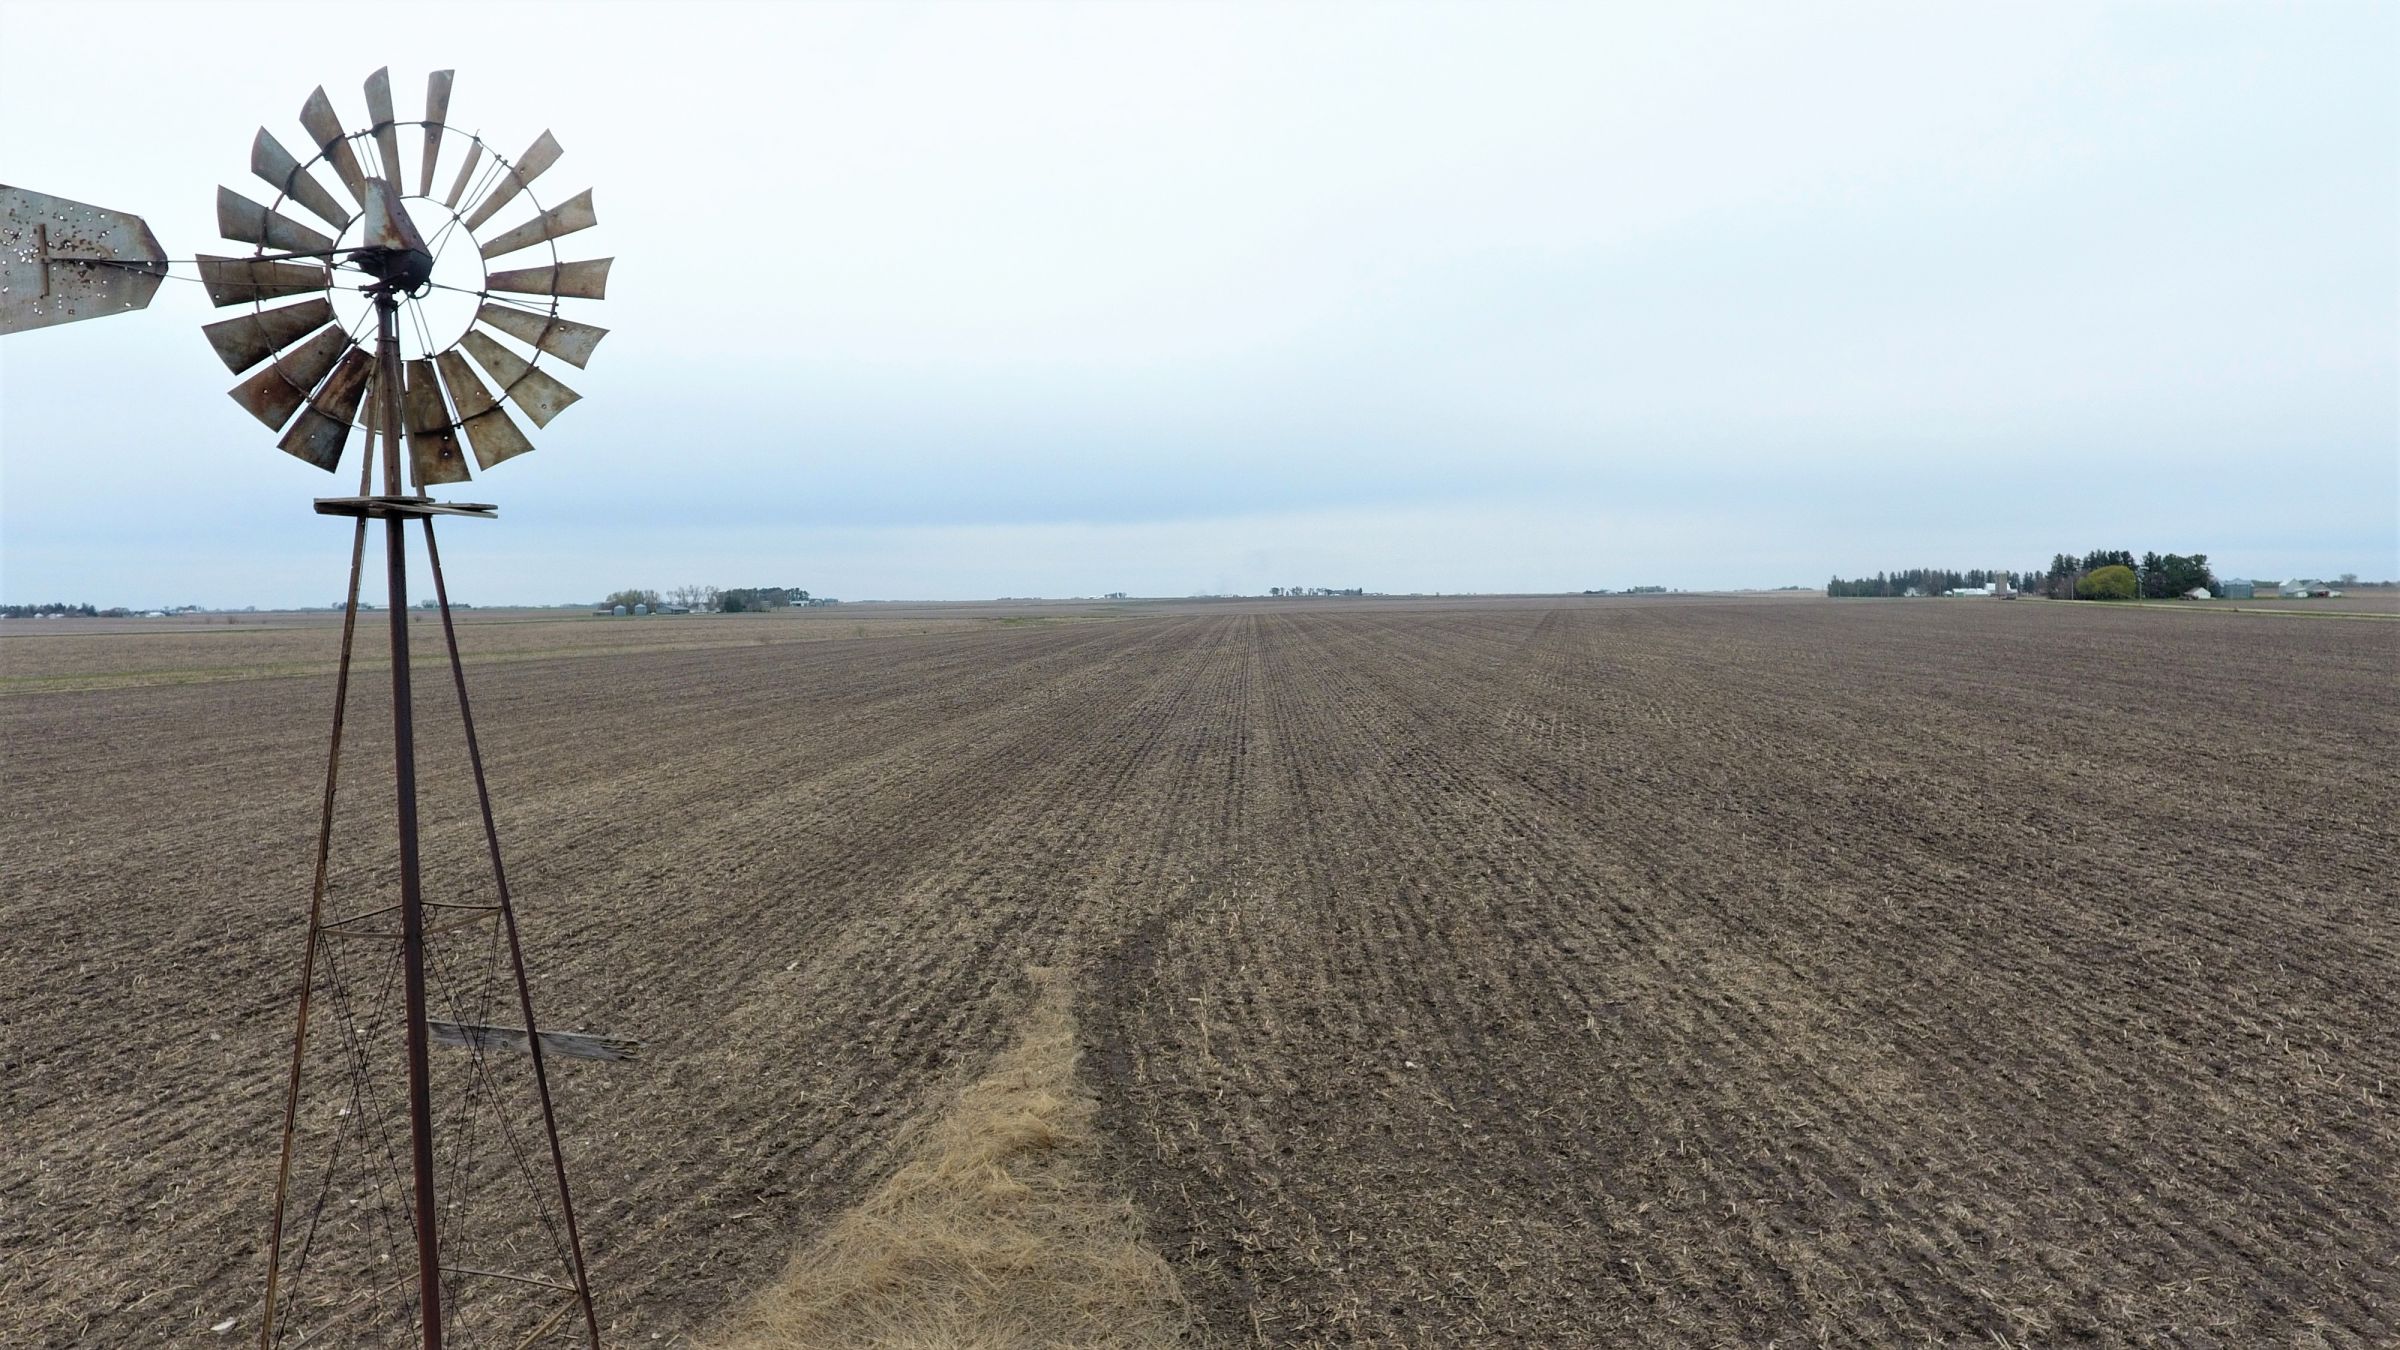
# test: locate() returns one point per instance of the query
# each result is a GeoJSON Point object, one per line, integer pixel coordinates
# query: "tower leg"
{"type": "Point", "coordinates": [316, 917]}
{"type": "Point", "coordinates": [516, 951]}
{"type": "Point", "coordinates": [404, 782]}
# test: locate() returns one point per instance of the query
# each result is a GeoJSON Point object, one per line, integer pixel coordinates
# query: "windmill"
{"type": "Point", "coordinates": [418, 271]}
{"type": "Point", "coordinates": [321, 272]}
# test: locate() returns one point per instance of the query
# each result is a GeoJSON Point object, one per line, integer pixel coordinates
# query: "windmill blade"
{"type": "Point", "coordinates": [530, 387]}
{"type": "Point", "coordinates": [240, 218]}
{"type": "Point", "coordinates": [466, 171]}
{"type": "Point", "coordinates": [270, 161]}
{"type": "Point", "coordinates": [487, 425]}
{"type": "Point", "coordinates": [577, 280]}
{"type": "Point", "coordinates": [325, 128]}
{"type": "Point", "coordinates": [537, 158]}
{"type": "Point", "coordinates": [238, 281]}
{"type": "Point", "coordinates": [566, 218]}
{"type": "Point", "coordinates": [245, 341]}
{"type": "Point", "coordinates": [386, 128]}
{"type": "Point", "coordinates": [324, 426]}
{"type": "Point", "coordinates": [274, 394]}
{"type": "Point", "coordinates": [437, 112]}
{"type": "Point", "coordinates": [565, 339]}
{"type": "Point", "coordinates": [433, 453]}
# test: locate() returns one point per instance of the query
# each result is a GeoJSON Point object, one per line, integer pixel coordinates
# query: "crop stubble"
{"type": "Point", "coordinates": [1636, 972]}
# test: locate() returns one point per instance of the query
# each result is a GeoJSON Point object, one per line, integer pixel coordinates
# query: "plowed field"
{"type": "Point", "coordinates": [1541, 972]}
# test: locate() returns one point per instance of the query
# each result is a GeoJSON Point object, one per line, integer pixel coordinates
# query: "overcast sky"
{"type": "Point", "coordinates": [971, 300]}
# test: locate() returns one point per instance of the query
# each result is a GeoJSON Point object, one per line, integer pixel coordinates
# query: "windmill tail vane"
{"type": "Point", "coordinates": [433, 325]}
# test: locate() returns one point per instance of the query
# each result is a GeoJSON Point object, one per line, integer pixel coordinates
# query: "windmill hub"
{"type": "Point", "coordinates": [393, 250]}
{"type": "Point", "coordinates": [403, 271]}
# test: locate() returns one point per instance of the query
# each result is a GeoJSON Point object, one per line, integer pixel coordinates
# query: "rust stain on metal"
{"type": "Point", "coordinates": [238, 217]}
{"type": "Point", "coordinates": [274, 394]}
{"type": "Point", "coordinates": [437, 112]}
{"type": "Point", "coordinates": [565, 339]}
{"type": "Point", "coordinates": [433, 453]}
{"type": "Point", "coordinates": [275, 165]}
{"type": "Point", "coordinates": [493, 435]}
{"type": "Point", "coordinates": [324, 426]}
{"type": "Point", "coordinates": [238, 281]}
{"type": "Point", "coordinates": [388, 226]}
{"type": "Point", "coordinates": [245, 341]}
{"type": "Point", "coordinates": [380, 121]}
{"type": "Point", "coordinates": [466, 173]}
{"type": "Point", "coordinates": [575, 213]}
{"type": "Point", "coordinates": [536, 160]}
{"type": "Point", "coordinates": [587, 280]}
{"type": "Point", "coordinates": [325, 128]}
{"type": "Point", "coordinates": [521, 382]}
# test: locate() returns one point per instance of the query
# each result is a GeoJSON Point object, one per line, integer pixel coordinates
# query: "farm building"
{"type": "Point", "coordinates": [2198, 593]}
{"type": "Point", "coordinates": [2239, 590]}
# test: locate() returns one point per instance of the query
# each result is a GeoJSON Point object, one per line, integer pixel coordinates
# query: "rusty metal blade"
{"type": "Point", "coordinates": [245, 341]}
{"type": "Point", "coordinates": [489, 430]}
{"type": "Point", "coordinates": [324, 426]}
{"type": "Point", "coordinates": [433, 453]}
{"type": "Point", "coordinates": [271, 162]}
{"type": "Point", "coordinates": [466, 171]}
{"type": "Point", "coordinates": [238, 217]}
{"type": "Point", "coordinates": [385, 126]}
{"type": "Point", "coordinates": [521, 382]}
{"type": "Point", "coordinates": [564, 1044]}
{"type": "Point", "coordinates": [537, 158]}
{"type": "Point", "coordinates": [238, 281]}
{"type": "Point", "coordinates": [325, 129]}
{"type": "Point", "coordinates": [579, 280]}
{"type": "Point", "coordinates": [437, 112]}
{"type": "Point", "coordinates": [566, 218]}
{"type": "Point", "coordinates": [467, 393]}
{"type": "Point", "coordinates": [274, 394]}
{"type": "Point", "coordinates": [565, 339]}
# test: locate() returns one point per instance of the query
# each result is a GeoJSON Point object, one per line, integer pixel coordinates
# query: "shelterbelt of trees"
{"type": "Point", "coordinates": [1921, 580]}
{"type": "Point", "coordinates": [714, 599]}
{"type": "Point", "coordinates": [2153, 576]}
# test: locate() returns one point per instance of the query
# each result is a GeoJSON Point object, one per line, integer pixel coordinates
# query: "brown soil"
{"type": "Point", "coordinates": [1631, 972]}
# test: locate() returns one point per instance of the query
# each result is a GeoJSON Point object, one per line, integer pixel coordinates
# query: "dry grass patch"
{"type": "Point", "coordinates": [995, 1234]}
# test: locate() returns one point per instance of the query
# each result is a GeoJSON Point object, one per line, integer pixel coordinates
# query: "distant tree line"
{"type": "Point", "coordinates": [2101, 574]}
{"type": "Point", "coordinates": [1290, 591]}
{"type": "Point", "coordinates": [2153, 576]}
{"type": "Point", "coordinates": [713, 599]}
{"type": "Point", "coordinates": [754, 599]}
{"type": "Point", "coordinates": [1921, 580]}
{"type": "Point", "coordinates": [60, 609]}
